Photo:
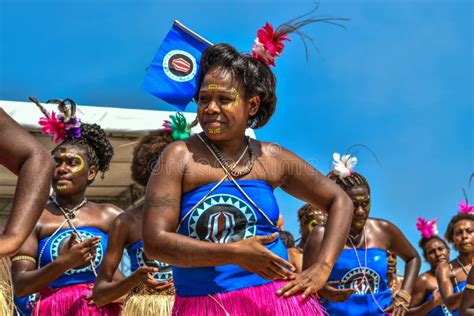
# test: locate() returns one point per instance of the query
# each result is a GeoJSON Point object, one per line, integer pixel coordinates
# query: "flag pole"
{"type": "Point", "coordinates": [191, 33]}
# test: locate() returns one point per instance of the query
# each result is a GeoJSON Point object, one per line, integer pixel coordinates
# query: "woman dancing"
{"type": "Point", "coordinates": [452, 275]}
{"type": "Point", "coordinates": [61, 256]}
{"type": "Point", "coordinates": [362, 265]}
{"type": "Point", "coordinates": [221, 236]}
{"type": "Point", "coordinates": [150, 285]}
{"type": "Point", "coordinates": [426, 297]}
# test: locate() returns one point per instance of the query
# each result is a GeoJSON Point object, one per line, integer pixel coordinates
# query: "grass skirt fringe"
{"type": "Point", "coordinates": [6, 289]}
{"type": "Point", "coordinates": [71, 301]}
{"type": "Point", "coordinates": [252, 301]}
{"type": "Point", "coordinates": [148, 305]}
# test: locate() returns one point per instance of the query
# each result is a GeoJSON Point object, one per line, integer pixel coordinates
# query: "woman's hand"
{"type": "Point", "coordinates": [144, 275]}
{"type": "Point", "coordinates": [77, 254]}
{"type": "Point", "coordinates": [395, 310]}
{"type": "Point", "coordinates": [331, 293]}
{"type": "Point", "coordinates": [309, 282]}
{"type": "Point", "coordinates": [252, 256]}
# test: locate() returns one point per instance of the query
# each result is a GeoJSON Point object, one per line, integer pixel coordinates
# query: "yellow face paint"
{"type": "Point", "coordinates": [362, 198]}
{"type": "Point", "coordinates": [312, 224]}
{"type": "Point", "coordinates": [214, 87]}
{"type": "Point", "coordinates": [236, 101]}
{"type": "Point", "coordinates": [216, 130]}
{"type": "Point", "coordinates": [233, 91]}
{"type": "Point", "coordinates": [78, 168]}
{"type": "Point", "coordinates": [60, 186]}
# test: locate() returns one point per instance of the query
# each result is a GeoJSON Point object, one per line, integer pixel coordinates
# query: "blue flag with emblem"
{"type": "Point", "coordinates": [174, 72]}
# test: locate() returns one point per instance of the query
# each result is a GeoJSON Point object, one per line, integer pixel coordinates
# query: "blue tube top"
{"type": "Point", "coordinates": [458, 288]}
{"type": "Point", "coordinates": [348, 272]}
{"type": "Point", "coordinates": [226, 216]}
{"type": "Point", "coordinates": [137, 259]}
{"type": "Point", "coordinates": [53, 245]}
{"type": "Point", "coordinates": [440, 310]}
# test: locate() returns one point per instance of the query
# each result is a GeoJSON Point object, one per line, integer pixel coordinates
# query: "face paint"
{"type": "Point", "coordinates": [312, 224]}
{"type": "Point", "coordinates": [215, 130]}
{"type": "Point", "coordinates": [236, 101]}
{"type": "Point", "coordinates": [214, 87]}
{"type": "Point", "coordinates": [60, 186]}
{"type": "Point", "coordinates": [78, 168]}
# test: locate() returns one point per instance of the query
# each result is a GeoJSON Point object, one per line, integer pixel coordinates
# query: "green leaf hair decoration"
{"type": "Point", "coordinates": [178, 126]}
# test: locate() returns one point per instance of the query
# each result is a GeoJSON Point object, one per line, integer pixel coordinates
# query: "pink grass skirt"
{"type": "Point", "coordinates": [256, 300]}
{"type": "Point", "coordinates": [71, 301]}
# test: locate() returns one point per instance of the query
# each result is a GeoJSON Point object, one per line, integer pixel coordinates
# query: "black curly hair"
{"type": "Point", "coordinates": [349, 182]}
{"type": "Point", "coordinates": [95, 143]}
{"type": "Point", "coordinates": [423, 241]}
{"type": "Point", "coordinates": [287, 239]}
{"type": "Point", "coordinates": [253, 76]}
{"type": "Point", "coordinates": [450, 230]}
{"type": "Point", "coordinates": [146, 154]}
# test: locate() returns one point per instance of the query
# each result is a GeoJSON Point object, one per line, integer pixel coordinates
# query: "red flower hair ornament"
{"type": "Point", "coordinates": [269, 43]}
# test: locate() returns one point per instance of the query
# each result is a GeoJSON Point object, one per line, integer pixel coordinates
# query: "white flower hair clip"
{"type": "Point", "coordinates": [342, 166]}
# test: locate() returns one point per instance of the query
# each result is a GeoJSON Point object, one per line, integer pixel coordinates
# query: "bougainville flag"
{"type": "Point", "coordinates": [174, 72]}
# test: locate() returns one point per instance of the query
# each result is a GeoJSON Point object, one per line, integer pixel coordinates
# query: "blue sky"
{"type": "Point", "coordinates": [398, 80]}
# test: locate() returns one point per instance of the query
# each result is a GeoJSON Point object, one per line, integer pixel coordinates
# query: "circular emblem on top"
{"type": "Point", "coordinates": [354, 279]}
{"type": "Point", "coordinates": [222, 218]}
{"type": "Point", "coordinates": [62, 239]}
{"type": "Point", "coordinates": [180, 65]}
{"type": "Point", "coordinates": [165, 271]}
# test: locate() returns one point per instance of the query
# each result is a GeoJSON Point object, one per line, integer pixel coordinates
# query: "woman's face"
{"type": "Point", "coordinates": [72, 174]}
{"type": "Point", "coordinates": [392, 262]}
{"type": "Point", "coordinates": [463, 236]}
{"type": "Point", "coordinates": [361, 199]}
{"type": "Point", "coordinates": [436, 252]}
{"type": "Point", "coordinates": [223, 112]}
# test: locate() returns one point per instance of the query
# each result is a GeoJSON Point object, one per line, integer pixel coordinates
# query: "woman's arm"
{"type": "Point", "coordinates": [107, 287]}
{"type": "Point", "coordinates": [28, 280]}
{"type": "Point", "coordinates": [418, 307]}
{"type": "Point", "coordinates": [161, 217]}
{"type": "Point", "coordinates": [443, 276]}
{"type": "Point", "coordinates": [311, 250]}
{"type": "Point", "coordinates": [467, 301]}
{"type": "Point", "coordinates": [304, 182]}
{"type": "Point", "coordinates": [400, 246]}
{"type": "Point", "coordinates": [27, 158]}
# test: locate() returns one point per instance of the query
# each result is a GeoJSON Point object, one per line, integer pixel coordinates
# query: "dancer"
{"type": "Point", "coordinates": [362, 265]}
{"type": "Point", "coordinates": [308, 218]}
{"type": "Point", "coordinates": [60, 257]}
{"type": "Point", "coordinates": [426, 297]}
{"type": "Point", "coordinates": [394, 280]}
{"type": "Point", "coordinates": [28, 159]}
{"type": "Point", "coordinates": [221, 236]}
{"type": "Point", "coordinates": [150, 284]}
{"type": "Point", "coordinates": [452, 275]}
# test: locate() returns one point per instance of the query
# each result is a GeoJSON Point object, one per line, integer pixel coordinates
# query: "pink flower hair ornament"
{"type": "Point", "coordinates": [465, 208]}
{"type": "Point", "coordinates": [427, 228]}
{"type": "Point", "coordinates": [59, 126]}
